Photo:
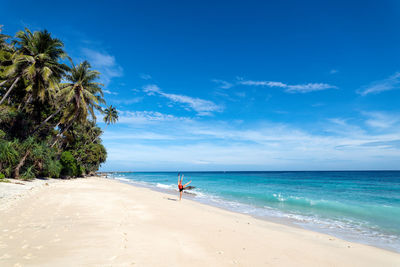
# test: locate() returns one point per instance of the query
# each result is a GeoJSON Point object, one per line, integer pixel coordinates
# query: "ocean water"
{"type": "Point", "coordinates": [360, 206]}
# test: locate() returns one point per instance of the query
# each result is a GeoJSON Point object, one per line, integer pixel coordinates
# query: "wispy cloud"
{"type": "Point", "coordinates": [128, 101]}
{"type": "Point", "coordinates": [145, 76]}
{"type": "Point", "coordinates": [262, 83]}
{"type": "Point", "coordinates": [391, 83]}
{"type": "Point", "coordinates": [297, 88]}
{"type": "Point", "coordinates": [109, 92]}
{"type": "Point", "coordinates": [201, 106]}
{"type": "Point", "coordinates": [309, 87]}
{"type": "Point", "coordinates": [146, 117]}
{"type": "Point", "coordinates": [333, 71]}
{"type": "Point", "coordinates": [261, 146]}
{"type": "Point", "coordinates": [382, 120]}
{"type": "Point", "coordinates": [223, 84]}
{"type": "Point", "coordinates": [104, 63]}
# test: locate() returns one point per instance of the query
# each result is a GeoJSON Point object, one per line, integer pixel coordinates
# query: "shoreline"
{"type": "Point", "coordinates": [287, 221]}
{"type": "Point", "coordinates": [96, 220]}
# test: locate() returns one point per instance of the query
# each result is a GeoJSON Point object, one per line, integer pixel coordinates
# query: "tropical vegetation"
{"type": "Point", "coordinates": [48, 108]}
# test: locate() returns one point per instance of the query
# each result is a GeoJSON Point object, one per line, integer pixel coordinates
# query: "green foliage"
{"type": "Point", "coordinates": [52, 168]}
{"type": "Point", "coordinates": [111, 115]}
{"type": "Point", "coordinates": [48, 128]}
{"type": "Point", "coordinates": [29, 174]}
{"type": "Point", "coordinates": [8, 156]}
{"type": "Point", "coordinates": [68, 162]}
{"type": "Point", "coordinates": [81, 171]}
{"type": "Point", "coordinates": [2, 176]}
{"type": "Point", "coordinates": [91, 156]}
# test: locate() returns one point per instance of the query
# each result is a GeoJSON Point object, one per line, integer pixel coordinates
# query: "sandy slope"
{"type": "Point", "coordinates": [100, 222]}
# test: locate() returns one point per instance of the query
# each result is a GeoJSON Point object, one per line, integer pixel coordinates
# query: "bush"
{"type": "Point", "coordinates": [68, 162]}
{"type": "Point", "coordinates": [81, 171]}
{"type": "Point", "coordinates": [29, 174]}
{"type": "Point", "coordinates": [52, 168]}
{"type": "Point", "coordinates": [2, 176]}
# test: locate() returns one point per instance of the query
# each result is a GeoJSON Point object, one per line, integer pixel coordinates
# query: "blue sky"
{"type": "Point", "coordinates": [237, 85]}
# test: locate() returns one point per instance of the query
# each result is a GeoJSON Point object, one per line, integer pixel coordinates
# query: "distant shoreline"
{"type": "Point", "coordinates": [110, 172]}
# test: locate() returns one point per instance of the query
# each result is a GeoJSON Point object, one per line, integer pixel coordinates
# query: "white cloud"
{"type": "Point", "coordinates": [201, 106]}
{"type": "Point", "coordinates": [391, 83]}
{"type": "Point", "coordinates": [128, 101]}
{"type": "Point", "coordinates": [382, 120]}
{"type": "Point", "coordinates": [297, 88]}
{"type": "Point", "coordinates": [151, 89]}
{"type": "Point", "coordinates": [309, 87]}
{"type": "Point", "coordinates": [146, 117]}
{"type": "Point", "coordinates": [262, 83]}
{"type": "Point", "coordinates": [109, 92]}
{"type": "Point", "coordinates": [104, 63]}
{"type": "Point", "coordinates": [168, 142]}
{"type": "Point", "coordinates": [223, 84]}
{"type": "Point", "coordinates": [145, 76]}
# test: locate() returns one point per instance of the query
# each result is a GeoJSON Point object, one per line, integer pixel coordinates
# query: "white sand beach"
{"type": "Point", "coordinates": [102, 222]}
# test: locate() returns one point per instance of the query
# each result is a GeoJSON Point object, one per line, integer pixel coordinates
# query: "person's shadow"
{"type": "Point", "coordinates": [172, 199]}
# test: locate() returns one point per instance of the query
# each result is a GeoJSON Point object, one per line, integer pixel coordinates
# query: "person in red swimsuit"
{"type": "Point", "coordinates": [180, 186]}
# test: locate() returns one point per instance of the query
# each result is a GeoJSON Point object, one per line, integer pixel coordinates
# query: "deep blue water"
{"type": "Point", "coordinates": [362, 206]}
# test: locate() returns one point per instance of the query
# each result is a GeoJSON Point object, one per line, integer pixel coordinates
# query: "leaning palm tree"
{"type": "Point", "coordinates": [81, 94]}
{"type": "Point", "coordinates": [36, 60]}
{"type": "Point", "coordinates": [110, 117]}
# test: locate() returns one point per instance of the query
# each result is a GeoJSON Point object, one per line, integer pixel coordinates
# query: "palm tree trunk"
{"type": "Point", "coordinates": [46, 120]}
{"type": "Point", "coordinates": [9, 90]}
{"type": "Point", "coordinates": [99, 134]}
{"type": "Point", "coordinates": [3, 82]}
{"type": "Point", "coordinates": [26, 103]}
{"type": "Point", "coordinates": [20, 164]}
{"type": "Point", "coordinates": [60, 134]}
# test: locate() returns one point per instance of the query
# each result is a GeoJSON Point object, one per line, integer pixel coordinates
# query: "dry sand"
{"type": "Point", "coordinates": [101, 222]}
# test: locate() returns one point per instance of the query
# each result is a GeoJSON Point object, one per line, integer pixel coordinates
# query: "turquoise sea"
{"type": "Point", "coordinates": [360, 206]}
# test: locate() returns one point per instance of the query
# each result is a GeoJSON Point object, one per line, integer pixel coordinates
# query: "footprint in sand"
{"type": "Point", "coordinates": [5, 256]}
{"type": "Point", "coordinates": [112, 258]}
{"type": "Point", "coordinates": [28, 256]}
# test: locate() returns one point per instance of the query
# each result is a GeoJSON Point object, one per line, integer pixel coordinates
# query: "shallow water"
{"type": "Point", "coordinates": [361, 206]}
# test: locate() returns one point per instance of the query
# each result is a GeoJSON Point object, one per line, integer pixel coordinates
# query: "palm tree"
{"type": "Point", "coordinates": [3, 39]}
{"type": "Point", "coordinates": [82, 95]}
{"type": "Point", "coordinates": [26, 148]}
{"type": "Point", "coordinates": [111, 117]}
{"type": "Point", "coordinates": [36, 60]}
{"type": "Point", "coordinates": [6, 51]}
